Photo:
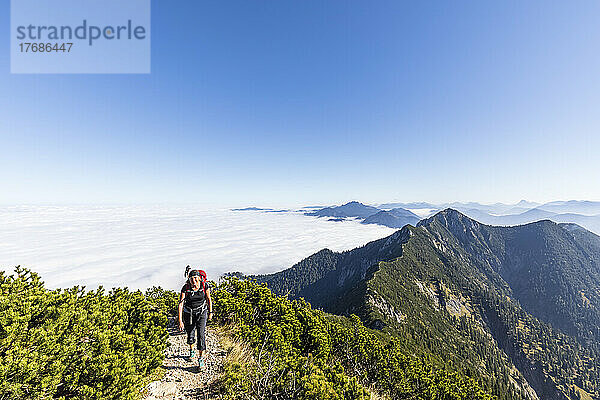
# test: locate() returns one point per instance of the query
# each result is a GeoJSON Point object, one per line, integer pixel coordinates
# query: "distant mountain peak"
{"type": "Point", "coordinates": [454, 219]}
{"type": "Point", "coordinates": [526, 203]}
{"type": "Point", "coordinates": [394, 218]}
{"type": "Point", "coordinates": [445, 216]}
{"type": "Point", "coordinates": [353, 209]}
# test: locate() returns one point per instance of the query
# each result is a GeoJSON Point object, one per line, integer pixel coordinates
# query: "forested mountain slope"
{"type": "Point", "coordinates": [325, 275]}
{"type": "Point", "coordinates": [515, 307]}
{"type": "Point", "coordinates": [553, 272]}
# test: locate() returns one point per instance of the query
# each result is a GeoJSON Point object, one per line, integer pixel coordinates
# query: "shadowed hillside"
{"type": "Point", "coordinates": [516, 306]}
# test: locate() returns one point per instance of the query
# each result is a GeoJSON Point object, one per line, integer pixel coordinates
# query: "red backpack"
{"type": "Point", "coordinates": [192, 272]}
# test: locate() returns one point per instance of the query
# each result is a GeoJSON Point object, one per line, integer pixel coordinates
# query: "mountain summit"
{"type": "Point", "coordinates": [394, 218]}
{"type": "Point", "coordinates": [516, 307]}
{"type": "Point", "coordinates": [353, 209]}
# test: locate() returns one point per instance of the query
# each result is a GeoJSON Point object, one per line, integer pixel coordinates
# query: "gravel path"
{"type": "Point", "coordinates": [183, 380]}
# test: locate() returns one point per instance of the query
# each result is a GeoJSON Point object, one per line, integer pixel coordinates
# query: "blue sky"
{"type": "Point", "coordinates": [301, 102]}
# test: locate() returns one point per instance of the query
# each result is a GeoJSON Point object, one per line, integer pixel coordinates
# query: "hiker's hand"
{"type": "Point", "coordinates": [209, 316]}
{"type": "Point", "coordinates": [180, 325]}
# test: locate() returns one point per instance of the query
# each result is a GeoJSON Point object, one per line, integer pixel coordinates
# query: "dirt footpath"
{"type": "Point", "coordinates": [182, 379]}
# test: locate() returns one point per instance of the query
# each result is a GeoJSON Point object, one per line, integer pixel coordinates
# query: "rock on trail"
{"type": "Point", "coordinates": [182, 380]}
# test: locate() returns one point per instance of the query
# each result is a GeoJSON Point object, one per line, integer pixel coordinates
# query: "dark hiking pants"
{"type": "Point", "coordinates": [195, 321]}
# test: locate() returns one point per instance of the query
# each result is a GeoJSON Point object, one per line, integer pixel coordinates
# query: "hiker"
{"type": "Point", "coordinates": [195, 308]}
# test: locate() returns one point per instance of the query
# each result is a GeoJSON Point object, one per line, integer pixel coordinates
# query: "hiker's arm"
{"type": "Point", "coordinates": [209, 302]}
{"type": "Point", "coordinates": [180, 310]}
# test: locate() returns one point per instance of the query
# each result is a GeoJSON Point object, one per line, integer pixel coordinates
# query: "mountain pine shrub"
{"type": "Point", "coordinates": [76, 344]}
{"type": "Point", "coordinates": [301, 353]}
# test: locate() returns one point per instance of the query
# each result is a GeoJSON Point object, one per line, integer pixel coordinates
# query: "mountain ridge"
{"type": "Point", "coordinates": [514, 282]}
{"type": "Point", "coordinates": [394, 218]}
{"type": "Point", "coordinates": [352, 209]}
{"type": "Point", "coordinates": [583, 212]}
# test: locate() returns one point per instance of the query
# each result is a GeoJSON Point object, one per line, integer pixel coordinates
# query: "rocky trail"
{"type": "Point", "coordinates": [182, 379]}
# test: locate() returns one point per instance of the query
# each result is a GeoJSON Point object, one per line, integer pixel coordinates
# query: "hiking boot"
{"type": "Point", "coordinates": [200, 362]}
{"type": "Point", "coordinates": [192, 355]}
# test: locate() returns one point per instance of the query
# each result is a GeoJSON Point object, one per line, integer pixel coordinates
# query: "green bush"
{"type": "Point", "coordinates": [164, 301]}
{"type": "Point", "coordinates": [74, 343]}
{"type": "Point", "coordinates": [301, 353]}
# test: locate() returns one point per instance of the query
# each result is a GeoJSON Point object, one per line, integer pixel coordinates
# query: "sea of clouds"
{"type": "Point", "coordinates": [142, 246]}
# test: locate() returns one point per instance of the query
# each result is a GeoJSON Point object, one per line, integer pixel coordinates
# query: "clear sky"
{"type": "Point", "coordinates": [301, 102]}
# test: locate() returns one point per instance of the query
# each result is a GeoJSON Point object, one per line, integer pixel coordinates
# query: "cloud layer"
{"type": "Point", "coordinates": [141, 246]}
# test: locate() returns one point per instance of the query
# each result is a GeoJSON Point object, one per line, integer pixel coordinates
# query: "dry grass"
{"type": "Point", "coordinates": [238, 351]}
{"type": "Point", "coordinates": [375, 395]}
{"type": "Point", "coordinates": [584, 395]}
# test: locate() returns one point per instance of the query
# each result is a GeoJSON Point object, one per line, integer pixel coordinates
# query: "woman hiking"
{"type": "Point", "coordinates": [195, 308]}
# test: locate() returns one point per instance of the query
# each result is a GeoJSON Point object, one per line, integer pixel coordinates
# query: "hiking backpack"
{"type": "Point", "coordinates": [203, 278]}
